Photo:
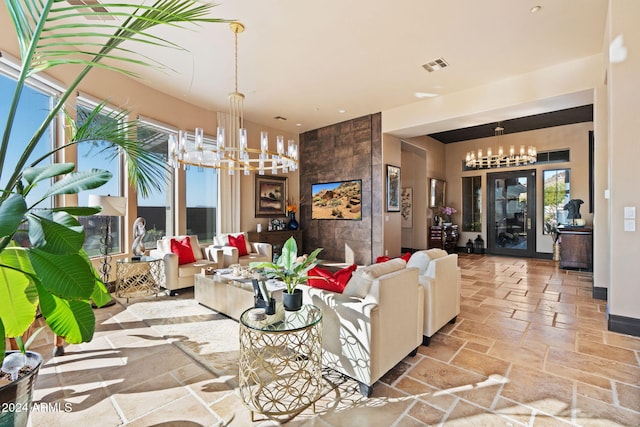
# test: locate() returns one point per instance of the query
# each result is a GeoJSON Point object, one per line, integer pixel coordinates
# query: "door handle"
{"type": "Point", "coordinates": [528, 223]}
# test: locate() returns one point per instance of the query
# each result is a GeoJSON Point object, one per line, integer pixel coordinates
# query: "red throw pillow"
{"type": "Point", "coordinates": [183, 249]}
{"type": "Point", "coordinates": [238, 242]}
{"type": "Point", "coordinates": [334, 282]}
{"type": "Point", "coordinates": [385, 258]}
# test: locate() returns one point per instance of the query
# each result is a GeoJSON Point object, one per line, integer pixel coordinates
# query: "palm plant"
{"type": "Point", "coordinates": [289, 268]}
{"type": "Point", "coordinates": [54, 272]}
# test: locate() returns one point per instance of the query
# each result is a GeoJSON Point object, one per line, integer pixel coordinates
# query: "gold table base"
{"type": "Point", "coordinates": [280, 370]}
{"type": "Point", "coordinates": [139, 277]}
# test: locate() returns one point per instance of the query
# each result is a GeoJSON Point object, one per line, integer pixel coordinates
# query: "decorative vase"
{"type": "Point", "coordinates": [292, 224]}
{"type": "Point", "coordinates": [292, 302]}
{"type": "Point", "coordinates": [19, 393]}
{"type": "Point", "coordinates": [556, 251]}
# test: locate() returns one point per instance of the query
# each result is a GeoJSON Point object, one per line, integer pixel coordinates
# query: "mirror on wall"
{"type": "Point", "coordinates": [437, 195]}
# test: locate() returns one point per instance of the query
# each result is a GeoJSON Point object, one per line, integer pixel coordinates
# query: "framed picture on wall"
{"type": "Point", "coordinates": [407, 208]}
{"type": "Point", "coordinates": [271, 196]}
{"type": "Point", "coordinates": [393, 188]}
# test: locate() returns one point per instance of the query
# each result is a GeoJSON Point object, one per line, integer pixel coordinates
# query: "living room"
{"type": "Point", "coordinates": [577, 81]}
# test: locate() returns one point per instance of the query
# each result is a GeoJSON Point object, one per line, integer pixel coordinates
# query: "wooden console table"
{"type": "Point", "coordinates": [276, 238]}
{"type": "Point", "coordinates": [576, 248]}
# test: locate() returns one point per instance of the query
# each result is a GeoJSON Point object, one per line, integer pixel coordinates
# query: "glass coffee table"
{"type": "Point", "coordinates": [281, 361]}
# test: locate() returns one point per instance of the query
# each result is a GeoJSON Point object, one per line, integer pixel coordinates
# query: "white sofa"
{"type": "Point", "coordinates": [257, 251]}
{"type": "Point", "coordinates": [439, 275]}
{"type": "Point", "coordinates": [365, 333]}
{"type": "Point", "coordinates": [182, 276]}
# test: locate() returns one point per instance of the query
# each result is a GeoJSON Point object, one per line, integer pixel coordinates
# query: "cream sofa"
{"type": "Point", "coordinates": [374, 324]}
{"type": "Point", "coordinates": [439, 275]}
{"type": "Point", "coordinates": [257, 252]}
{"type": "Point", "coordinates": [182, 276]}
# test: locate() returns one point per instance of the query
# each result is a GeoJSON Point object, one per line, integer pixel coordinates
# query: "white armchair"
{"type": "Point", "coordinates": [256, 251]}
{"type": "Point", "coordinates": [364, 337]}
{"type": "Point", "coordinates": [440, 278]}
{"type": "Point", "coordinates": [178, 276]}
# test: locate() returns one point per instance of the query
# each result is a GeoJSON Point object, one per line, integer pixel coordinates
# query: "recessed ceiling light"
{"type": "Point", "coordinates": [535, 9]}
{"type": "Point", "coordinates": [425, 95]}
{"type": "Point", "coordinates": [342, 111]}
{"type": "Point", "coordinates": [298, 124]}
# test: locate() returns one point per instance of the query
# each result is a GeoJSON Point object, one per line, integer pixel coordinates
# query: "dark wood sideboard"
{"type": "Point", "coordinates": [576, 248]}
{"type": "Point", "coordinates": [276, 238]}
{"type": "Point", "coordinates": [444, 237]}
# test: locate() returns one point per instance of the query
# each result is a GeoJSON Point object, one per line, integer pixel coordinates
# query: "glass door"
{"type": "Point", "coordinates": [511, 213]}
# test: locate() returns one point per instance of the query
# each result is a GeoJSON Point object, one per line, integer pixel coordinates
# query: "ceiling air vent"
{"type": "Point", "coordinates": [95, 6]}
{"type": "Point", "coordinates": [435, 65]}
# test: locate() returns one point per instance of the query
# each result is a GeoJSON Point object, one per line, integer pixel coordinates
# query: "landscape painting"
{"type": "Point", "coordinates": [337, 200]}
{"type": "Point", "coordinates": [271, 196]}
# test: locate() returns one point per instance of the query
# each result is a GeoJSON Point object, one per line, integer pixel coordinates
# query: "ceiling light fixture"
{"type": "Point", "coordinates": [233, 153]}
{"type": "Point", "coordinates": [526, 156]}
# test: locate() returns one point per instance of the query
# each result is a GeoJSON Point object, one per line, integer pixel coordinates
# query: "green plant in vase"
{"type": "Point", "coordinates": [289, 268]}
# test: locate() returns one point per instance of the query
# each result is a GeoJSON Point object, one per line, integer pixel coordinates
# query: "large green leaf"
{"type": "Point", "coordinates": [76, 182]}
{"type": "Point", "coordinates": [66, 276]}
{"type": "Point", "coordinates": [72, 320]}
{"type": "Point", "coordinates": [64, 236]}
{"type": "Point", "coordinates": [39, 173]}
{"type": "Point", "coordinates": [18, 296]}
{"type": "Point", "coordinates": [12, 211]}
{"type": "Point", "coordinates": [2, 335]}
{"type": "Point", "coordinates": [77, 210]}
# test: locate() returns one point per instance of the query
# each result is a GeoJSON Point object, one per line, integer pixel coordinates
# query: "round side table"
{"type": "Point", "coordinates": [281, 361]}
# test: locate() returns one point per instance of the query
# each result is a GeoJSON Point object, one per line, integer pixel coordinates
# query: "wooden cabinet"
{"type": "Point", "coordinates": [276, 238]}
{"type": "Point", "coordinates": [576, 248]}
{"type": "Point", "coordinates": [444, 237]}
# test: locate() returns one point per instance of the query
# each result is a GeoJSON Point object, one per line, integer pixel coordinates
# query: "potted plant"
{"type": "Point", "coordinates": [52, 271]}
{"type": "Point", "coordinates": [292, 270]}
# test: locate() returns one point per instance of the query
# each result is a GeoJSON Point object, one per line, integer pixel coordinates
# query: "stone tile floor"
{"type": "Point", "coordinates": [530, 347]}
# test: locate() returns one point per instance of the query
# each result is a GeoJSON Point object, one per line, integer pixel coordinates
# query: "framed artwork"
{"type": "Point", "coordinates": [337, 200]}
{"type": "Point", "coordinates": [407, 207]}
{"type": "Point", "coordinates": [271, 196]}
{"type": "Point", "coordinates": [393, 188]}
{"type": "Point", "coordinates": [437, 196]}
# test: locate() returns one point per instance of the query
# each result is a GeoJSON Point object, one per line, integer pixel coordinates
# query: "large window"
{"type": "Point", "coordinates": [34, 106]}
{"type": "Point", "coordinates": [557, 192]}
{"type": "Point", "coordinates": [157, 207]}
{"type": "Point", "coordinates": [202, 202]}
{"type": "Point", "coordinates": [472, 203]}
{"type": "Point", "coordinates": [91, 154]}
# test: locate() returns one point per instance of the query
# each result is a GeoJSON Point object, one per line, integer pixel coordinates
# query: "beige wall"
{"type": "Point", "coordinates": [624, 152]}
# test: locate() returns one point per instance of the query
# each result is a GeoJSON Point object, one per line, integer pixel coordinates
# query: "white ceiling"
{"type": "Point", "coordinates": [306, 60]}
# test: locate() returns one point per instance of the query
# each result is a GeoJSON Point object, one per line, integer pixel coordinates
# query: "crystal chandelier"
{"type": "Point", "coordinates": [230, 150]}
{"type": "Point", "coordinates": [526, 155]}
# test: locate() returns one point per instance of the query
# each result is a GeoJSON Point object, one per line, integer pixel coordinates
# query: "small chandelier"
{"type": "Point", "coordinates": [527, 155]}
{"type": "Point", "coordinates": [232, 153]}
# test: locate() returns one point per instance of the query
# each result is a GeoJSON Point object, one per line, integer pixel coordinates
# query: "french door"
{"type": "Point", "coordinates": [511, 213]}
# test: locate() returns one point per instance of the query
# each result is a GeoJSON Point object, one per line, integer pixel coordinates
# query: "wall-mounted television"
{"type": "Point", "coordinates": [337, 200]}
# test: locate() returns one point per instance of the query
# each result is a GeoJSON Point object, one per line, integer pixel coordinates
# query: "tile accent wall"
{"type": "Point", "coordinates": [341, 152]}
